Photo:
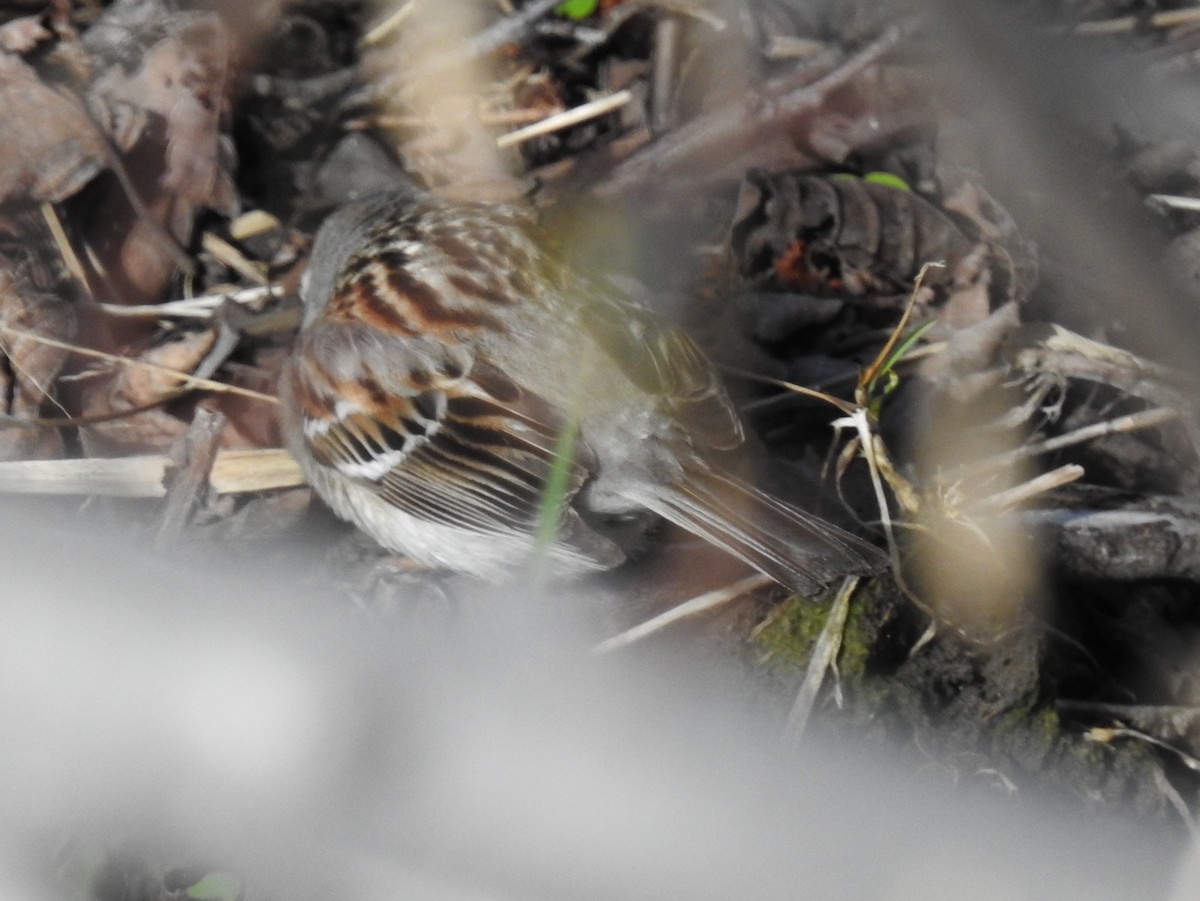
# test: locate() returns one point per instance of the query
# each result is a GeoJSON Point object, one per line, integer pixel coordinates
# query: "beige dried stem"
{"type": "Point", "coordinates": [69, 257]}
{"type": "Point", "coordinates": [384, 29]}
{"type": "Point", "coordinates": [593, 109]}
{"type": "Point", "coordinates": [1166, 19]}
{"type": "Point", "coordinates": [187, 379]}
{"type": "Point", "coordinates": [200, 307]}
{"type": "Point", "coordinates": [233, 472]}
{"type": "Point", "coordinates": [710, 600]}
{"type": "Point", "coordinates": [822, 660]}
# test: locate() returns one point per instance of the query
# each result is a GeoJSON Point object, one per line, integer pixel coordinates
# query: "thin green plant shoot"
{"type": "Point", "coordinates": [554, 496]}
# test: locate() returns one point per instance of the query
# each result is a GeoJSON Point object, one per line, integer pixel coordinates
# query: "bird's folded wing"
{"type": "Point", "coordinates": [663, 361]}
{"type": "Point", "coordinates": [461, 448]}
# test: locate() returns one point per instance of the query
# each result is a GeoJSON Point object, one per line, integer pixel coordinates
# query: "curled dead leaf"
{"type": "Point", "coordinates": [168, 112]}
{"type": "Point", "coordinates": [121, 388]}
{"type": "Point", "coordinates": [55, 151]}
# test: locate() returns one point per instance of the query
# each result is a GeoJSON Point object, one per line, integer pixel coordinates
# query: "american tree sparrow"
{"type": "Point", "coordinates": [450, 367]}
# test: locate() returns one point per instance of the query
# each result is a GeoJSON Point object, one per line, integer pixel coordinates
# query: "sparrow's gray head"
{"type": "Point", "coordinates": [342, 233]}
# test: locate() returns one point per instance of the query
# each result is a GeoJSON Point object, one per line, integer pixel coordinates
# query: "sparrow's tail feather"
{"type": "Point", "coordinates": [794, 548]}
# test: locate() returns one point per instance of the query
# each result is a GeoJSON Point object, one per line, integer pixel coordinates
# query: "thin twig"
{"type": "Point", "coordinates": [883, 358]}
{"type": "Point", "coordinates": [65, 249]}
{"type": "Point", "coordinates": [189, 381]}
{"type": "Point", "coordinates": [590, 110]}
{"type": "Point", "coordinates": [67, 421]}
{"type": "Point", "coordinates": [780, 47]}
{"type": "Point", "coordinates": [706, 601]}
{"type": "Point", "coordinates": [1048, 481]}
{"type": "Point", "coordinates": [1144, 419]}
{"type": "Point", "coordinates": [1105, 734]}
{"type": "Point", "coordinates": [861, 420]}
{"type": "Point", "coordinates": [1165, 721]}
{"type": "Point", "coordinates": [1164, 19]}
{"type": "Point", "coordinates": [201, 307]}
{"type": "Point", "coordinates": [14, 363]}
{"type": "Point", "coordinates": [383, 30]}
{"type": "Point", "coordinates": [790, 387]}
{"type": "Point", "coordinates": [193, 455]}
{"type": "Point", "coordinates": [728, 131]}
{"type": "Point", "coordinates": [1175, 201]}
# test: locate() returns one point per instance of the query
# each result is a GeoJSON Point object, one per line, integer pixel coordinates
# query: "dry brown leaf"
{"type": "Point", "coordinates": [23, 34]}
{"type": "Point", "coordinates": [182, 82]}
{"type": "Point", "coordinates": [251, 423]}
{"type": "Point", "coordinates": [127, 387]}
{"type": "Point", "coordinates": [55, 150]}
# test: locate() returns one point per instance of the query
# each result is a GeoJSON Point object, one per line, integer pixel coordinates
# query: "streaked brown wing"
{"type": "Point", "coordinates": [486, 467]}
{"type": "Point", "coordinates": [472, 450]}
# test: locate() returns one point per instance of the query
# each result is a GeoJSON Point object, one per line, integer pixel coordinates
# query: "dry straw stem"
{"type": "Point", "coordinates": [189, 381]}
{"type": "Point", "coordinates": [1048, 481]}
{"type": "Point", "coordinates": [1175, 202]}
{"type": "Point", "coordinates": [383, 30]}
{"type": "Point", "coordinates": [202, 307]}
{"type": "Point", "coordinates": [63, 243]}
{"type": "Point", "coordinates": [727, 131]}
{"type": "Point", "coordinates": [1119, 425]}
{"type": "Point", "coordinates": [823, 659]}
{"type": "Point", "coordinates": [1165, 19]}
{"type": "Point", "coordinates": [233, 258]}
{"type": "Point", "coordinates": [707, 601]}
{"type": "Point", "coordinates": [1105, 735]}
{"type": "Point", "coordinates": [1168, 722]}
{"type": "Point", "coordinates": [233, 472]}
{"type": "Point", "coordinates": [590, 110]}
{"type": "Point", "coordinates": [252, 223]}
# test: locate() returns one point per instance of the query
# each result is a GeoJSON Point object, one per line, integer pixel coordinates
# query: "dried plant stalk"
{"type": "Point", "coordinates": [233, 472]}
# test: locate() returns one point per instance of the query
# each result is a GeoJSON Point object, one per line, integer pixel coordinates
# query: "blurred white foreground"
{"type": "Point", "coordinates": [321, 753]}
